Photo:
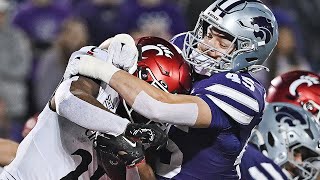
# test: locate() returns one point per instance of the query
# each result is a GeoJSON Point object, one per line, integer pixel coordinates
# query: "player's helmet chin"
{"type": "Point", "coordinates": [286, 131]}
{"type": "Point", "coordinates": [249, 25]}
{"type": "Point", "coordinates": [301, 88]}
{"type": "Point", "coordinates": [161, 65]}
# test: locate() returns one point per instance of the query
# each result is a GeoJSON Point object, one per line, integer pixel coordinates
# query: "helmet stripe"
{"type": "Point", "coordinates": [225, 10]}
{"type": "Point", "coordinates": [224, 4]}
{"type": "Point", "coordinates": [220, 3]}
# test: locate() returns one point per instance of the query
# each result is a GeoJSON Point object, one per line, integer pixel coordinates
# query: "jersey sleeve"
{"type": "Point", "coordinates": [239, 96]}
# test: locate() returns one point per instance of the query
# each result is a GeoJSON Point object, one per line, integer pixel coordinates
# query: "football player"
{"type": "Point", "coordinates": [60, 145]}
{"type": "Point", "coordinates": [301, 88]}
{"type": "Point", "coordinates": [231, 39]}
{"type": "Point", "coordinates": [290, 137]}
{"type": "Point", "coordinates": [163, 67]}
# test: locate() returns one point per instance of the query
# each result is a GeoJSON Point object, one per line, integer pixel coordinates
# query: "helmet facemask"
{"type": "Point", "coordinates": [304, 169]}
{"type": "Point", "coordinates": [202, 62]}
{"type": "Point", "coordinates": [314, 108]}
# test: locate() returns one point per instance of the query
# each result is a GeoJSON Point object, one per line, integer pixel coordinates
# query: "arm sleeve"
{"type": "Point", "coordinates": [179, 114]}
{"type": "Point", "coordinates": [86, 114]}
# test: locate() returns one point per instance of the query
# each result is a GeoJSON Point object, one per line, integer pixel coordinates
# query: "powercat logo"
{"type": "Point", "coordinates": [262, 27]}
{"type": "Point", "coordinates": [291, 117]}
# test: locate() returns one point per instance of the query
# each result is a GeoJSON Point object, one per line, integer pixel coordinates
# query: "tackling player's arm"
{"type": "Point", "coordinates": [147, 100]}
{"type": "Point", "coordinates": [173, 108]}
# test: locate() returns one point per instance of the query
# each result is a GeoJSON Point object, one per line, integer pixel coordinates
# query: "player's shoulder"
{"type": "Point", "coordinates": [237, 94]}
{"type": "Point", "coordinates": [178, 40]}
{"type": "Point", "coordinates": [235, 82]}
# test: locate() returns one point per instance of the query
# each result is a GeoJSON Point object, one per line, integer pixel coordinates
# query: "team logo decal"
{"type": "Point", "coordinates": [309, 80]}
{"type": "Point", "coordinates": [111, 103]}
{"type": "Point", "coordinates": [289, 116]}
{"type": "Point", "coordinates": [262, 27]}
{"type": "Point", "coordinates": [162, 50]}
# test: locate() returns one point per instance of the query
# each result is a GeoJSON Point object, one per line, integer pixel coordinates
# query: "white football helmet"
{"type": "Point", "coordinates": [250, 26]}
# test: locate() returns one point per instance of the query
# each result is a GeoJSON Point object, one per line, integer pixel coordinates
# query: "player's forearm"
{"type": "Point", "coordinates": [84, 110]}
{"type": "Point", "coordinates": [129, 86]}
{"type": "Point", "coordinates": [147, 100]}
{"type": "Point", "coordinates": [156, 104]}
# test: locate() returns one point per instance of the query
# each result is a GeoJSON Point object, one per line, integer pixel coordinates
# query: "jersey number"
{"type": "Point", "coordinates": [249, 83]}
{"type": "Point", "coordinates": [86, 159]}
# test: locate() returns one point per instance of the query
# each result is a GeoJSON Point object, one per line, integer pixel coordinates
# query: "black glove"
{"type": "Point", "coordinates": [119, 148]}
{"type": "Point", "coordinates": [149, 134]}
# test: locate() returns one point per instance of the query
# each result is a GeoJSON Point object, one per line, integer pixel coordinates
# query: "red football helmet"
{"type": "Point", "coordinates": [161, 65]}
{"type": "Point", "coordinates": [301, 88]}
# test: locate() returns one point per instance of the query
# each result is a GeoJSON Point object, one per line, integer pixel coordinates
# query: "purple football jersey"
{"type": "Point", "coordinates": [254, 165]}
{"type": "Point", "coordinates": [236, 101]}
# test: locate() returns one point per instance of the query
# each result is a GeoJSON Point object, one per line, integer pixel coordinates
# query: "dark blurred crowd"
{"type": "Point", "coordinates": [38, 36]}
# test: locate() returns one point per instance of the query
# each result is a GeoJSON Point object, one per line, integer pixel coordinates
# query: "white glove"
{"type": "Point", "coordinates": [72, 68]}
{"type": "Point", "coordinates": [122, 52]}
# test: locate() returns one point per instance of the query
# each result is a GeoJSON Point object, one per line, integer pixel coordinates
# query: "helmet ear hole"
{"type": "Point", "coordinates": [270, 139]}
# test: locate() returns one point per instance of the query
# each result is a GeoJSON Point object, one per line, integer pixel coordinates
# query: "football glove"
{"type": "Point", "coordinates": [121, 149]}
{"type": "Point", "coordinates": [122, 52]}
{"type": "Point", "coordinates": [150, 135]}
